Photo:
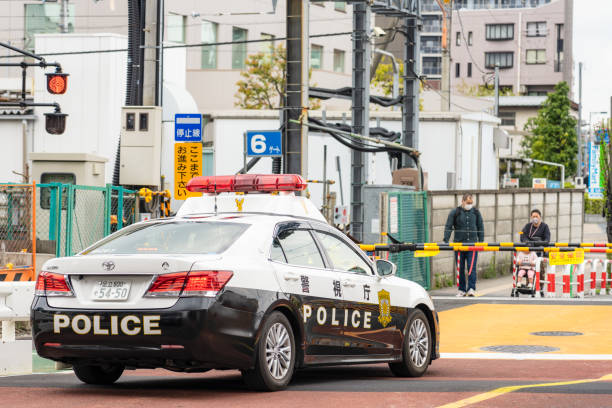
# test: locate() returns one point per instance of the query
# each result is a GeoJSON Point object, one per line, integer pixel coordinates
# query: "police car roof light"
{"type": "Point", "coordinates": [263, 183]}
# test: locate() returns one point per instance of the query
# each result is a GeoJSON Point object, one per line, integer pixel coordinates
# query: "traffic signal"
{"type": "Point", "coordinates": [55, 122]}
{"type": "Point", "coordinates": [57, 82]}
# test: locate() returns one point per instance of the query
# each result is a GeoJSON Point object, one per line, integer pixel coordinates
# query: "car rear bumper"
{"type": "Point", "coordinates": [194, 334]}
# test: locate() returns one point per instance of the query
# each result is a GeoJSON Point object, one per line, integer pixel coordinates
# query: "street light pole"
{"type": "Point", "coordinates": [579, 130]}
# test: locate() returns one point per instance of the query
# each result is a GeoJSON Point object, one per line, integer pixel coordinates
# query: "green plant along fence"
{"type": "Point", "coordinates": [408, 222]}
{"type": "Point", "coordinates": [72, 217]}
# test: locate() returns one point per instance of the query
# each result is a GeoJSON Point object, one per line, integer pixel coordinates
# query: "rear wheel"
{"type": "Point", "coordinates": [98, 374]}
{"type": "Point", "coordinates": [275, 358]}
{"type": "Point", "coordinates": [417, 347]}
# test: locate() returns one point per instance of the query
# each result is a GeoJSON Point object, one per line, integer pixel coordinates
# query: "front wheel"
{"type": "Point", "coordinates": [275, 359]}
{"type": "Point", "coordinates": [98, 374]}
{"type": "Point", "coordinates": [417, 348]}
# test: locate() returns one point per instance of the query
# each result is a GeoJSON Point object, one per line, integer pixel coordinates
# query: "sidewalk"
{"type": "Point", "coordinates": [501, 286]}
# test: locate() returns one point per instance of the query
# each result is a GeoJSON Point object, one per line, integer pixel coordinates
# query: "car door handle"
{"type": "Point", "coordinates": [291, 277]}
{"type": "Point", "coordinates": [348, 284]}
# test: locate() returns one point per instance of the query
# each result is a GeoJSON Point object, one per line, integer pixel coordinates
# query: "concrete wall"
{"type": "Point", "coordinates": [505, 212]}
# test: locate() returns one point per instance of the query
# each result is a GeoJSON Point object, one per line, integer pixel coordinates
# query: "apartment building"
{"type": "Point", "coordinates": [529, 40]}
{"type": "Point", "coordinates": [212, 72]}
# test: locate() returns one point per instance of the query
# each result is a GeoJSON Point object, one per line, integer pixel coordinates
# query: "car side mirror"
{"type": "Point", "coordinates": [385, 268]}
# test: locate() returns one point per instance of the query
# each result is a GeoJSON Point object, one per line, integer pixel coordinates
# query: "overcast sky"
{"type": "Point", "coordinates": [593, 47]}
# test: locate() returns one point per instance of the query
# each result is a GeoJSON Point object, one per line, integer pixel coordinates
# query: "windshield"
{"type": "Point", "coordinates": [176, 237]}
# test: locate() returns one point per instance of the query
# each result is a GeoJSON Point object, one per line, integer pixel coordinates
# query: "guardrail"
{"type": "Point", "coordinates": [15, 301]}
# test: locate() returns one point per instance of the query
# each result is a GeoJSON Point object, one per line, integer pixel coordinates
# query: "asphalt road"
{"type": "Point", "coordinates": [464, 376]}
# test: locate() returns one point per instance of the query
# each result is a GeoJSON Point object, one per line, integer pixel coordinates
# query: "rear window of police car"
{"type": "Point", "coordinates": [176, 237]}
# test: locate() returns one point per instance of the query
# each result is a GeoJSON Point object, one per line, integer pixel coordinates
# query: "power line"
{"type": "Point", "coordinates": [261, 40]}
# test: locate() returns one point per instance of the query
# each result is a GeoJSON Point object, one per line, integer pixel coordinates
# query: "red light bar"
{"type": "Point", "coordinates": [263, 183]}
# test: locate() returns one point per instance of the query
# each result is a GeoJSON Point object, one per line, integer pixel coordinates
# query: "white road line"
{"type": "Point", "coordinates": [526, 356]}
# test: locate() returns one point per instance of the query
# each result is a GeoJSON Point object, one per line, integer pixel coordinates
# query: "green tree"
{"type": "Point", "coordinates": [383, 79]}
{"type": "Point", "coordinates": [263, 80]}
{"type": "Point", "coordinates": [552, 134]}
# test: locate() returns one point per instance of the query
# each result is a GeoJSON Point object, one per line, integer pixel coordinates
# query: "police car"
{"type": "Point", "coordinates": [249, 276]}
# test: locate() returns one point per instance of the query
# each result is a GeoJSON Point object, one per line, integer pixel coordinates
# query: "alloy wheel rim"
{"type": "Point", "coordinates": [418, 343]}
{"type": "Point", "coordinates": [278, 351]}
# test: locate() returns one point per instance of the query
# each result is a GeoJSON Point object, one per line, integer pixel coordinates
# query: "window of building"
{"type": "Point", "coordinates": [340, 6]}
{"type": "Point", "coordinates": [536, 29]}
{"type": "Point", "coordinates": [470, 38]}
{"type": "Point", "coordinates": [432, 24]}
{"type": "Point", "coordinates": [499, 32]}
{"type": "Point", "coordinates": [209, 53]}
{"type": "Point", "coordinates": [536, 57]}
{"type": "Point", "coordinates": [175, 28]}
{"type": "Point", "coordinates": [507, 118]}
{"type": "Point", "coordinates": [458, 39]}
{"type": "Point", "coordinates": [318, 3]}
{"type": "Point", "coordinates": [431, 45]}
{"type": "Point", "coordinates": [316, 56]}
{"type": "Point", "coordinates": [501, 59]}
{"type": "Point", "coordinates": [469, 70]}
{"type": "Point", "coordinates": [339, 61]}
{"type": "Point", "coordinates": [44, 18]}
{"type": "Point", "coordinates": [432, 66]}
{"type": "Point", "coordinates": [457, 70]}
{"type": "Point", "coordinates": [267, 46]}
{"type": "Point", "coordinates": [559, 56]}
{"type": "Point", "coordinates": [239, 51]}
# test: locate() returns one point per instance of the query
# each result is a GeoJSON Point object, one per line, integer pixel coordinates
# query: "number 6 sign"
{"type": "Point", "coordinates": [264, 143]}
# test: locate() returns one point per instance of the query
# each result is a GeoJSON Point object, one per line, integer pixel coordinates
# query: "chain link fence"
{"type": "Point", "coordinates": [408, 222]}
{"type": "Point", "coordinates": [17, 223]}
{"type": "Point", "coordinates": [73, 217]}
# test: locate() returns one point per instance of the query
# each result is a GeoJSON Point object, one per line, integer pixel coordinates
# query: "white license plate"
{"type": "Point", "coordinates": [111, 290]}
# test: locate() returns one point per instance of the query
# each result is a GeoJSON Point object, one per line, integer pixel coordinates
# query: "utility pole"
{"type": "Point", "coordinates": [64, 16]}
{"type": "Point", "coordinates": [496, 90]}
{"type": "Point", "coordinates": [579, 130]}
{"type": "Point", "coordinates": [296, 135]}
{"type": "Point", "coordinates": [410, 107]}
{"type": "Point", "coordinates": [152, 83]}
{"type": "Point", "coordinates": [362, 52]}
{"type": "Point", "coordinates": [446, 64]}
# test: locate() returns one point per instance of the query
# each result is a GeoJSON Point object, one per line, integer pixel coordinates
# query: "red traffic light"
{"type": "Point", "coordinates": [57, 82]}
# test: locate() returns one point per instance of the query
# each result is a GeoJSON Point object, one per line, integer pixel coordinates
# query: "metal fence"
{"type": "Point", "coordinates": [408, 221]}
{"type": "Point", "coordinates": [72, 217]}
{"type": "Point", "coordinates": [17, 224]}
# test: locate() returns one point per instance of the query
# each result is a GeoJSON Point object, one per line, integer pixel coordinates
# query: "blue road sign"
{"type": "Point", "coordinates": [187, 127]}
{"type": "Point", "coordinates": [264, 143]}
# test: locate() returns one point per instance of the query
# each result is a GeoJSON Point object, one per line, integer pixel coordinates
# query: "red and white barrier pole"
{"type": "Point", "coordinates": [458, 260]}
{"type": "Point", "coordinates": [513, 270]}
{"type": "Point", "coordinates": [604, 277]}
{"type": "Point", "coordinates": [579, 280]}
{"type": "Point", "coordinates": [566, 282]}
{"type": "Point", "coordinates": [550, 281]}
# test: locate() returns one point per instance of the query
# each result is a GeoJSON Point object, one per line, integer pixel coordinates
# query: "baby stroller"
{"type": "Point", "coordinates": [528, 266]}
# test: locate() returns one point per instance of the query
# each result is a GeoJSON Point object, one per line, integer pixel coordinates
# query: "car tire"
{"type": "Point", "coordinates": [275, 356]}
{"type": "Point", "coordinates": [417, 347]}
{"type": "Point", "coordinates": [97, 374]}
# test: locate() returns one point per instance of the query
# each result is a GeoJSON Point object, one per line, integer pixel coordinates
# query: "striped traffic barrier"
{"type": "Point", "coordinates": [458, 264]}
{"type": "Point", "coordinates": [514, 271]}
{"type": "Point", "coordinates": [551, 275]}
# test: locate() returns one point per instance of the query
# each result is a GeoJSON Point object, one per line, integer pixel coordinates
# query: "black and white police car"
{"type": "Point", "coordinates": [237, 280]}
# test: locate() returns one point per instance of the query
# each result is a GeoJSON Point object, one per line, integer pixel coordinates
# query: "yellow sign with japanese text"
{"type": "Point", "coordinates": [566, 258]}
{"type": "Point", "coordinates": [187, 165]}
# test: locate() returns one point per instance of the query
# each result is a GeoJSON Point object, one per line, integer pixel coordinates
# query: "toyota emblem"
{"type": "Point", "coordinates": [108, 265]}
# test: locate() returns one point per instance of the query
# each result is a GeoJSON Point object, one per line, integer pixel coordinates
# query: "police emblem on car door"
{"type": "Point", "coordinates": [384, 308]}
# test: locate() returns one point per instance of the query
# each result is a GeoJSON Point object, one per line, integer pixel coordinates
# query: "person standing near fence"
{"type": "Point", "coordinates": [468, 225]}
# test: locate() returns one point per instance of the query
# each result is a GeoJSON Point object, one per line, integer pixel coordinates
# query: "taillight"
{"type": "Point", "coordinates": [52, 284]}
{"type": "Point", "coordinates": [206, 283]}
{"type": "Point", "coordinates": [169, 284]}
{"type": "Point", "coordinates": [194, 283]}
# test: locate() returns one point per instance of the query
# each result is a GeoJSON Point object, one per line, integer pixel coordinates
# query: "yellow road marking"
{"type": "Point", "coordinates": [469, 328]}
{"type": "Point", "coordinates": [505, 390]}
